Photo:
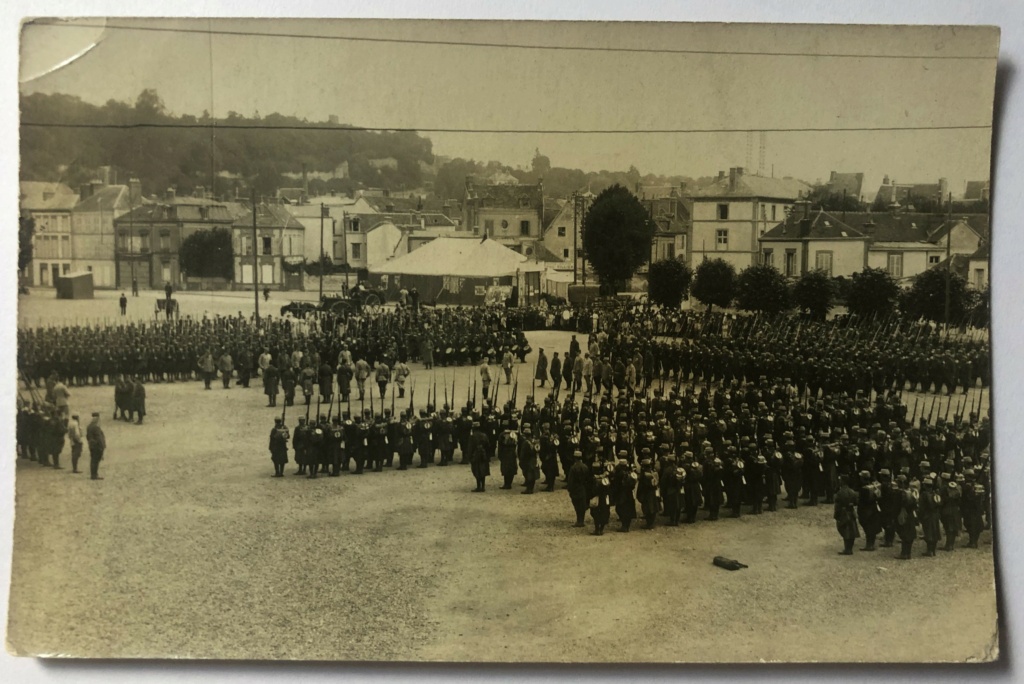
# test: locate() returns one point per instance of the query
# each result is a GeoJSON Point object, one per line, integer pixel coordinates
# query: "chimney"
{"type": "Point", "coordinates": [134, 191]}
{"type": "Point", "coordinates": [84, 191]}
{"type": "Point", "coordinates": [832, 177]}
{"type": "Point", "coordinates": [96, 185]}
{"type": "Point", "coordinates": [734, 175]}
{"type": "Point", "coordinates": [170, 194]}
{"type": "Point", "coordinates": [943, 189]}
{"type": "Point", "coordinates": [805, 227]}
{"type": "Point", "coordinates": [199, 191]}
{"type": "Point", "coordinates": [885, 179]}
{"type": "Point", "coordinates": [105, 175]}
{"type": "Point", "coordinates": [721, 175]}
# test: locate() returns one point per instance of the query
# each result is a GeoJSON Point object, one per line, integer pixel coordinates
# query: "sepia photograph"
{"type": "Point", "coordinates": [305, 307]}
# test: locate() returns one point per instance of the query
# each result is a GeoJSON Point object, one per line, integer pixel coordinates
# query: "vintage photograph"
{"type": "Point", "coordinates": [292, 293]}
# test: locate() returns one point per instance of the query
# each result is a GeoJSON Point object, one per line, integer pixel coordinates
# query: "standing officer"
{"type": "Point", "coordinates": [478, 460]}
{"type": "Point", "coordinates": [270, 380]}
{"type": "Point", "coordinates": [383, 377]}
{"type": "Point", "coordinates": [75, 437]}
{"type": "Point", "coordinates": [507, 454]}
{"type": "Point", "coordinates": [579, 481]}
{"type": "Point", "coordinates": [226, 367]}
{"type": "Point", "coordinates": [845, 515]}
{"type": "Point", "coordinates": [97, 445]}
{"type": "Point", "coordinates": [279, 447]}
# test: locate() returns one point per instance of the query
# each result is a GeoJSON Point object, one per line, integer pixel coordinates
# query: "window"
{"type": "Point", "coordinates": [165, 241]}
{"type": "Point", "coordinates": [65, 246]}
{"type": "Point", "coordinates": [933, 259]}
{"type": "Point", "coordinates": [143, 239]}
{"type": "Point", "coordinates": [122, 240]}
{"type": "Point", "coordinates": [768, 258]}
{"type": "Point", "coordinates": [823, 261]}
{"type": "Point", "coordinates": [895, 265]}
{"type": "Point", "coordinates": [246, 246]}
{"type": "Point", "coordinates": [561, 231]}
{"type": "Point", "coordinates": [723, 212]}
{"type": "Point", "coordinates": [774, 208]}
{"type": "Point", "coordinates": [565, 253]}
{"type": "Point", "coordinates": [89, 269]}
{"type": "Point", "coordinates": [266, 245]}
{"type": "Point", "coordinates": [670, 251]}
{"type": "Point", "coordinates": [354, 225]}
{"type": "Point", "coordinates": [790, 262]}
{"type": "Point", "coordinates": [65, 268]}
{"type": "Point", "coordinates": [722, 239]}
{"type": "Point", "coordinates": [489, 226]}
{"type": "Point", "coordinates": [524, 227]}
{"type": "Point", "coordinates": [979, 278]}
{"type": "Point", "coordinates": [357, 251]}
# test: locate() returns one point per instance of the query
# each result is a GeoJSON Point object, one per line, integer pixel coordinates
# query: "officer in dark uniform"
{"type": "Point", "coordinates": [279, 447]}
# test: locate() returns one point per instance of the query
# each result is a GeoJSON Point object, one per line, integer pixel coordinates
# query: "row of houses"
{"type": "Point", "coordinates": [743, 218]}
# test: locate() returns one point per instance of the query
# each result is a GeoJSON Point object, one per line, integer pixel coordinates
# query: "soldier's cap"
{"type": "Point", "coordinates": [302, 419]}
{"type": "Point", "coordinates": [946, 476]}
{"type": "Point", "coordinates": [526, 428]}
{"type": "Point", "coordinates": [597, 465]}
{"type": "Point", "coordinates": [95, 414]}
{"type": "Point", "coordinates": [925, 464]}
{"type": "Point", "coordinates": [645, 462]}
{"type": "Point", "coordinates": [884, 472]}
{"type": "Point", "coordinates": [577, 454]}
{"type": "Point", "coordinates": [969, 472]}
{"type": "Point", "coordinates": [949, 462]}
{"type": "Point", "coordinates": [75, 416]}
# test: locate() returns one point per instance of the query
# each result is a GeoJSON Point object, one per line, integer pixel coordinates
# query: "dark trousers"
{"type": "Point", "coordinates": [226, 378]}
{"type": "Point", "coordinates": [579, 504]}
{"type": "Point", "coordinates": [94, 463]}
{"type": "Point", "coordinates": [76, 453]}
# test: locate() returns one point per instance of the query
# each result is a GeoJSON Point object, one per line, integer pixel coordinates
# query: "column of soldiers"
{"type": "Point", "coordinates": [189, 349]}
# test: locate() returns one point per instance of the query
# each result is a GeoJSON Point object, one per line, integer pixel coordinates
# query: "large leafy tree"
{"type": "Point", "coordinates": [668, 281]}
{"type": "Point", "coordinates": [762, 288]}
{"type": "Point", "coordinates": [617, 234]}
{"type": "Point", "coordinates": [926, 298]}
{"type": "Point", "coordinates": [815, 293]}
{"type": "Point", "coordinates": [208, 254]}
{"type": "Point", "coordinates": [714, 283]}
{"type": "Point", "coordinates": [873, 292]}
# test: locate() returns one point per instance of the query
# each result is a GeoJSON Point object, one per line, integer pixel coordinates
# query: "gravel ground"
{"type": "Point", "coordinates": [188, 548]}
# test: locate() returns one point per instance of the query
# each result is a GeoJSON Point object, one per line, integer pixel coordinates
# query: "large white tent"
{"type": "Point", "coordinates": [462, 257]}
{"type": "Point", "coordinates": [460, 271]}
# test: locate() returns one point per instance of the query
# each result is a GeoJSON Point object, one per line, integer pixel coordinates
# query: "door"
{"type": "Point", "coordinates": [266, 274]}
{"type": "Point", "coordinates": [165, 272]}
{"type": "Point", "coordinates": [55, 270]}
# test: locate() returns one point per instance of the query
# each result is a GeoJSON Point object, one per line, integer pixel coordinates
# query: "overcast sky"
{"type": "Point", "coordinates": [932, 77]}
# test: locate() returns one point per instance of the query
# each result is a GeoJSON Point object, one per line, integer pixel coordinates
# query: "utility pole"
{"type": "Point", "coordinates": [583, 224]}
{"type": "Point", "coordinates": [949, 261]}
{"type": "Point", "coordinates": [575, 234]}
{"type": "Point", "coordinates": [323, 213]}
{"type": "Point", "coordinates": [255, 261]}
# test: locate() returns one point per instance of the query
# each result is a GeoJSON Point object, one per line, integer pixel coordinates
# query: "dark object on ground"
{"type": "Point", "coordinates": [298, 309]}
{"type": "Point", "coordinates": [728, 563]}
